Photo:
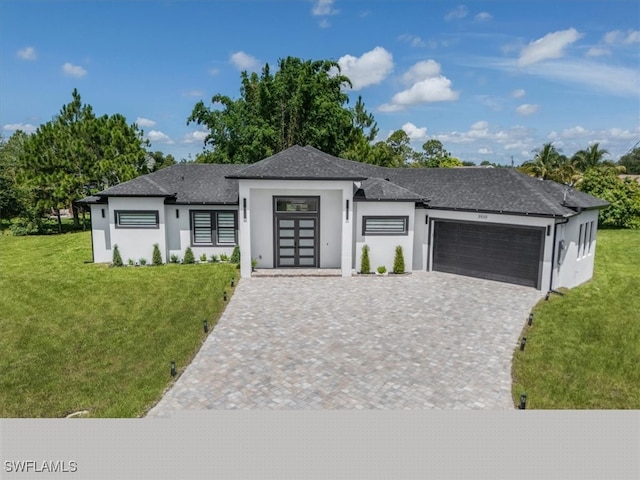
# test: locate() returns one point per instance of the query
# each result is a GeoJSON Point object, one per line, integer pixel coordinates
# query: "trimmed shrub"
{"type": "Point", "coordinates": [203, 258]}
{"type": "Point", "coordinates": [398, 261]}
{"type": "Point", "coordinates": [174, 258]}
{"type": "Point", "coordinates": [224, 257]}
{"type": "Point", "coordinates": [130, 262]}
{"type": "Point", "coordinates": [188, 256]}
{"type": "Point", "coordinates": [143, 261]}
{"type": "Point", "coordinates": [117, 259]}
{"type": "Point", "coordinates": [382, 269]}
{"type": "Point", "coordinates": [214, 258]}
{"type": "Point", "coordinates": [365, 263]}
{"type": "Point", "coordinates": [235, 255]}
{"type": "Point", "coordinates": [157, 256]}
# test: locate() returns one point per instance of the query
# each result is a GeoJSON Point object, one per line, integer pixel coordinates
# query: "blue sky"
{"type": "Point", "coordinates": [492, 80]}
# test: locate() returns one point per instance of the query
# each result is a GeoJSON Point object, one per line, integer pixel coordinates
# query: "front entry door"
{"type": "Point", "coordinates": [296, 241]}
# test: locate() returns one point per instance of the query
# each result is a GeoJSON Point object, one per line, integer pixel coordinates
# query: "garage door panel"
{"type": "Point", "coordinates": [503, 253]}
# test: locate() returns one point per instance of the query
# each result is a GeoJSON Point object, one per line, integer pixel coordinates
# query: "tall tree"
{"type": "Point", "coordinates": [631, 161]}
{"type": "Point", "coordinates": [12, 197]}
{"type": "Point", "coordinates": [546, 164]}
{"type": "Point", "coordinates": [303, 103]}
{"type": "Point", "coordinates": [77, 153]}
{"type": "Point", "coordinates": [589, 158]}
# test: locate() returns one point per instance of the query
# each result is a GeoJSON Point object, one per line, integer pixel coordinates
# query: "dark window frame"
{"type": "Point", "coordinates": [404, 233]}
{"type": "Point", "coordinates": [117, 214]}
{"type": "Point", "coordinates": [214, 228]}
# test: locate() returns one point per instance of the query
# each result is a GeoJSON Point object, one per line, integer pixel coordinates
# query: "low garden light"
{"type": "Point", "coordinates": [523, 343]}
{"type": "Point", "coordinates": [530, 319]}
{"type": "Point", "coordinates": [205, 324]}
{"type": "Point", "coordinates": [224, 296]}
{"type": "Point", "coordinates": [173, 368]}
{"type": "Point", "coordinates": [233, 282]}
{"type": "Point", "coordinates": [523, 401]}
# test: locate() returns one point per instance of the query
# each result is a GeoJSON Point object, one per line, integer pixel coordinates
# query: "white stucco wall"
{"type": "Point", "coordinates": [137, 243]}
{"type": "Point", "coordinates": [101, 234]}
{"type": "Point", "coordinates": [256, 230]}
{"type": "Point", "coordinates": [574, 262]}
{"type": "Point", "coordinates": [496, 218]}
{"type": "Point", "coordinates": [179, 230]}
{"type": "Point", "coordinates": [382, 247]}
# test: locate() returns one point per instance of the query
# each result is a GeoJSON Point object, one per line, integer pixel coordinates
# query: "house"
{"type": "Point", "coordinates": [302, 208]}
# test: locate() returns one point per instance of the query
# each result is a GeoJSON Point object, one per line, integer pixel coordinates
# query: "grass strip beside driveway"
{"type": "Point", "coordinates": [583, 349]}
{"type": "Point", "coordinates": [80, 336]}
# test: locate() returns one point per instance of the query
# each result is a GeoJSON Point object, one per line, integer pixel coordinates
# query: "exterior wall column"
{"type": "Point", "coordinates": [347, 231]}
{"type": "Point", "coordinates": [244, 229]}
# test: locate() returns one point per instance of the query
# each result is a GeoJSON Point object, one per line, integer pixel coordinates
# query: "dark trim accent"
{"type": "Point", "coordinates": [548, 230]}
{"type": "Point", "coordinates": [385, 234]}
{"type": "Point", "coordinates": [347, 209]}
{"type": "Point", "coordinates": [360, 199]}
{"type": "Point", "coordinates": [501, 212]}
{"type": "Point", "coordinates": [103, 215]}
{"type": "Point", "coordinates": [214, 228]}
{"type": "Point", "coordinates": [244, 208]}
{"type": "Point", "coordinates": [177, 213]}
{"type": "Point", "coordinates": [117, 219]}
{"type": "Point", "coordinates": [295, 197]}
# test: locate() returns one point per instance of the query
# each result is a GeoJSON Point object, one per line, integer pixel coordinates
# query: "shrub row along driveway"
{"type": "Point", "coordinates": [425, 340]}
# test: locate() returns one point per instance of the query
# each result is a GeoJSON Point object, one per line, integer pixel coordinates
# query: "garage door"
{"type": "Point", "coordinates": [495, 252]}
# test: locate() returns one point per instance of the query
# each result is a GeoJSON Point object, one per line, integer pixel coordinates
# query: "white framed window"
{"type": "Point", "coordinates": [137, 219]}
{"type": "Point", "coordinates": [213, 227]}
{"type": "Point", "coordinates": [385, 225]}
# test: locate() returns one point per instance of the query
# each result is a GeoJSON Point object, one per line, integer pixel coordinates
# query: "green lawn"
{"type": "Point", "coordinates": [583, 349]}
{"type": "Point", "coordinates": [79, 336]}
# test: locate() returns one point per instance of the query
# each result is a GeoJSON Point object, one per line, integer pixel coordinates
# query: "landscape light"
{"type": "Point", "coordinates": [523, 342]}
{"type": "Point", "coordinates": [173, 368]}
{"type": "Point", "coordinates": [205, 324]}
{"type": "Point", "coordinates": [531, 319]}
{"type": "Point", "coordinates": [224, 296]}
{"type": "Point", "coordinates": [233, 281]}
{"type": "Point", "coordinates": [523, 401]}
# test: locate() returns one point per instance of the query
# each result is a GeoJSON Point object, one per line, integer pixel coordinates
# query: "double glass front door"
{"type": "Point", "coordinates": [296, 242]}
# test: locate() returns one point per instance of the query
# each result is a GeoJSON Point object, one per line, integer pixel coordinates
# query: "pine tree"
{"type": "Point", "coordinates": [365, 264]}
{"type": "Point", "coordinates": [398, 261]}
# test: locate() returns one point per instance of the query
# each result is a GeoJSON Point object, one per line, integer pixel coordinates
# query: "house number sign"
{"type": "Point", "coordinates": [483, 216]}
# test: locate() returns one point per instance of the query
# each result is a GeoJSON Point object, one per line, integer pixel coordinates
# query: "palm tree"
{"type": "Point", "coordinates": [589, 158]}
{"type": "Point", "coordinates": [544, 164]}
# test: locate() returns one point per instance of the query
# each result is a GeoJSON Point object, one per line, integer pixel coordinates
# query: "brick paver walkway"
{"type": "Point", "coordinates": [419, 341]}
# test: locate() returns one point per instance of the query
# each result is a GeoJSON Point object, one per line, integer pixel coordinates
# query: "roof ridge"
{"type": "Point", "coordinates": [155, 184]}
{"type": "Point", "coordinates": [384, 181]}
{"type": "Point", "coordinates": [523, 179]}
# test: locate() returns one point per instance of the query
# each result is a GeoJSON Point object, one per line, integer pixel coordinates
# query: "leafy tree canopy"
{"type": "Point", "coordinates": [631, 162]}
{"type": "Point", "coordinates": [303, 103]}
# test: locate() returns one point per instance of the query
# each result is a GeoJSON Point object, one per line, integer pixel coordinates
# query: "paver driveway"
{"type": "Point", "coordinates": [425, 340]}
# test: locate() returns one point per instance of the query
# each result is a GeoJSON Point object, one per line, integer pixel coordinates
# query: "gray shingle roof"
{"type": "Point", "coordinates": [297, 163]}
{"type": "Point", "coordinates": [476, 189]}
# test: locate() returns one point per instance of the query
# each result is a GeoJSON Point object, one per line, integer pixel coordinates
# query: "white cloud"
{"type": "Point", "coordinates": [421, 70]}
{"type": "Point", "coordinates": [415, 133]}
{"type": "Point", "coordinates": [27, 53]}
{"type": "Point", "coordinates": [494, 103]}
{"type": "Point", "coordinates": [483, 17]}
{"type": "Point", "coordinates": [25, 127]}
{"type": "Point", "coordinates": [195, 137]}
{"type": "Point", "coordinates": [73, 70]}
{"type": "Point", "coordinates": [598, 52]}
{"type": "Point", "coordinates": [369, 69]}
{"type": "Point", "coordinates": [526, 109]}
{"type": "Point", "coordinates": [324, 23]}
{"type": "Point", "coordinates": [551, 45]}
{"type": "Point", "coordinates": [193, 93]}
{"type": "Point", "coordinates": [459, 12]}
{"type": "Point", "coordinates": [244, 61]}
{"type": "Point", "coordinates": [145, 122]}
{"type": "Point", "coordinates": [618, 37]}
{"type": "Point", "coordinates": [519, 93]}
{"type": "Point", "coordinates": [485, 151]}
{"type": "Point", "coordinates": [412, 40]}
{"type": "Point", "coordinates": [159, 137]}
{"type": "Point", "coordinates": [323, 7]}
{"type": "Point", "coordinates": [428, 86]}
{"type": "Point", "coordinates": [213, 71]}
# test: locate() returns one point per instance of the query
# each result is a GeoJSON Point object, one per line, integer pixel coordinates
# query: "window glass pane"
{"type": "Point", "coordinates": [307, 233]}
{"type": "Point", "coordinates": [307, 223]}
{"type": "Point", "coordinates": [286, 261]}
{"type": "Point", "coordinates": [138, 219]}
{"type": "Point", "coordinates": [287, 251]}
{"type": "Point", "coordinates": [286, 223]}
{"type": "Point", "coordinates": [306, 261]}
{"type": "Point", "coordinates": [202, 227]}
{"type": "Point", "coordinates": [226, 228]}
{"type": "Point", "coordinates": [307, 242]}
{"type": "Point", "coordinates": [307, 252]}
{"type": "Point", "coordinates": [385, 225]}
{"type": "Point", "coordinates": [287, 242]}
{"type": "Point", "coordinates": [297, 205]}
{"type": "Point", "coordinates": [286, 233]}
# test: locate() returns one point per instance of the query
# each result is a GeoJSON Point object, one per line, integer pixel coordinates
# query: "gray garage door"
{"type": "Point", "coordinates": [495, 252]}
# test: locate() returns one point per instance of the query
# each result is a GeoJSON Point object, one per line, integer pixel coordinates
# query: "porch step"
{"type": "Point", "coordinates": [297, 272]}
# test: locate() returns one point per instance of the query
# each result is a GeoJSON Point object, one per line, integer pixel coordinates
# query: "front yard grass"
{"type": "Point", "coordinates": [583, 349]}
{"type": "Point", "coordinates": [79, 336]}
